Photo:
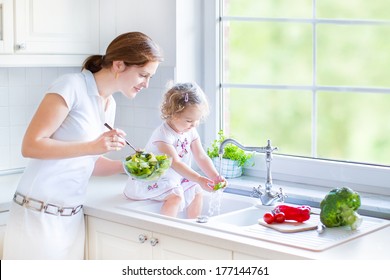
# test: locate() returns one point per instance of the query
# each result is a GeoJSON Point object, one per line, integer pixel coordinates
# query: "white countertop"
{"type": "Point", "coordinates": [8, 184]}
{"type": "Point", "coordinates": [105, 198]}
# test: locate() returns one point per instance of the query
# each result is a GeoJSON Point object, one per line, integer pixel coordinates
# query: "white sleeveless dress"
{"type": "Point", "coordinates": [31, 234]}
{"type": "Point", "coordinates": [171, 181]}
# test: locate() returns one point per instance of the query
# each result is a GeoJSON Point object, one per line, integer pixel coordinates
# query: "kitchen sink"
{"type": "Point", "coordinates": [245, 222]}
{"type": "Point", "coordinates": [240, 215]}
{"type": "Point", "coordinates": [244, 217]}
{"type": "Point", "coordinates": [228, 203]}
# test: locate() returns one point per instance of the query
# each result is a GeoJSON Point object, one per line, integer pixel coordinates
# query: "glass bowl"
{"type": "Point", "coordinates": [146, 166]}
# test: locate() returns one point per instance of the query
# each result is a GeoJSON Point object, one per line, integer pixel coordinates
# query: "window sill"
{"type": "Point", "coordinates": [373, 205]}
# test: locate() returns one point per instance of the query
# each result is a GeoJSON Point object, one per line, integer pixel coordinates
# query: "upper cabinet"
{"type": "Point", "coordinates": [6, 26]}
{"type": "Point", "coordinates": [63, 33]}
{"type": "Point", "coordinates": [56, 26]}
{"type": "Point", "coordinates": [48, 32]}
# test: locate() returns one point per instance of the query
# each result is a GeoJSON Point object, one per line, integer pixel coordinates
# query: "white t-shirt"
{"type": "Point", "coordinates": [64, 181]}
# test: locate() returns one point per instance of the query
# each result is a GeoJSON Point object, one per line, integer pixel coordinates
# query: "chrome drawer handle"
{"type": "Point", "coordinates": [153, 241]}
{"type": "Point", "coordinates": [142, 238]}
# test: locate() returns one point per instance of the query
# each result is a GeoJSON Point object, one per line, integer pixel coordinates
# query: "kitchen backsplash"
{"type": "Point", "coordinates": [22, 88]}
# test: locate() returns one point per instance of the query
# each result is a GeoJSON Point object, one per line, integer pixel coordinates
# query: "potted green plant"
{"type": "Point", "coordinates": [233, 158]}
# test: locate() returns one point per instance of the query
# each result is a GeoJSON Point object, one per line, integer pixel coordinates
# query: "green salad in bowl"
{"type": "Point", "coordinates": [146, 166]}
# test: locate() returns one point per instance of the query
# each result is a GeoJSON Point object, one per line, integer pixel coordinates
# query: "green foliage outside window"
{"type": "Point", "coordinates": [335, 121]}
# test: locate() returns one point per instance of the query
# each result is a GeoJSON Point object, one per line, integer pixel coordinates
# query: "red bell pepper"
{"type": "Point", "coordinates": [296, 213]}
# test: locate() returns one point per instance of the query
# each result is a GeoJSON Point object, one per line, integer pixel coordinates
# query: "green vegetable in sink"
{"type": "Point", "coordinates": [146, 166]}
{"type": "Point", "coordinates": [219, 185]}
{"type": "Point", "coordinates": [338, 208]}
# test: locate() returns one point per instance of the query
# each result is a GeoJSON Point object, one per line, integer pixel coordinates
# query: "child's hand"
{"type": "Point", "coordinates": [206, 184]}
{"type": "Point", "coordinates": [219, 183]}
{"type": "Point", "coordinates": [219, 179]}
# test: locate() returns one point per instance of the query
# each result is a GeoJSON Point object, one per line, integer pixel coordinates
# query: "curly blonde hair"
{"type": "Point", "coordinates": [182, 95]}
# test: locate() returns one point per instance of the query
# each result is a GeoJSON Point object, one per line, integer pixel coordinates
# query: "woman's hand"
{"type": "Point", "coordinates": [112, 140]}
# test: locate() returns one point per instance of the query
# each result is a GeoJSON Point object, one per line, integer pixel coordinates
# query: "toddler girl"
{"type": "Point", "coordinates": [183, 107]}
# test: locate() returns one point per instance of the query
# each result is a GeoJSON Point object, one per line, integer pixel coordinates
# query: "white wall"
{"type": "Point", "coordinates": [21, 90]}
{"type": "Point", "coordinates": [189, 34]}
{"type": "Point", "coordinates": [176, 25]}
{"type": "Point", "coordinates": [156, 18]}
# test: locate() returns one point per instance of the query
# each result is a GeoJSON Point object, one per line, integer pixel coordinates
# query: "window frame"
{"type": "Point", "coordinates": [367, 178]}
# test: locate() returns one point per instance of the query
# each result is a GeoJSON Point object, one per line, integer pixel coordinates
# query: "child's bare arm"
{"type": "Point", "coordinates": [183, 169]}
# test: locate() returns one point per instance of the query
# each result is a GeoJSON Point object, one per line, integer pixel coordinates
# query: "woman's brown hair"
{"type": "Point", "coordinates": [133, 48]}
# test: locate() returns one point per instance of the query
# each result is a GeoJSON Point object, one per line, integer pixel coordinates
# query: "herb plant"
{"type": "Point", "coordinates": [230, 151]}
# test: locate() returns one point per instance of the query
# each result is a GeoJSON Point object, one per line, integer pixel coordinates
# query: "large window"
{"type": "Point", "coordinates": [311, 75]}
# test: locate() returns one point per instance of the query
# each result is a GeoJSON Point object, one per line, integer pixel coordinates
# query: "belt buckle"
{"type": "Point", "coordinates": [69, 211]}
{"type": "Point", "coordinates": [77, 209]}
{"type": "Point", "coordinates": [34, 204]}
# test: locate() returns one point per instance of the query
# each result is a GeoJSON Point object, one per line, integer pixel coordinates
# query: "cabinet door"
{"type": "Point", "coordinates": [113, 241]}
{"type": "Point", "coordinates": [3, 221]}
{"type": "Point", "coordinates": [57, 26]}
{"type": "Point", "coordinates": [2, 232]}
{"type": "Point", "coordinates": [244, 256]}
{"type": "Point", "coordinates": [173, 248]}
{"type": "Point", "coordinates": [6, 26]}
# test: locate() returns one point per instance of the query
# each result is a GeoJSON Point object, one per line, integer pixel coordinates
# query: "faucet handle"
{"type": "Point", "coordinates": [281, 194]}
{"type": "Point", "coordinates": [257, 192]}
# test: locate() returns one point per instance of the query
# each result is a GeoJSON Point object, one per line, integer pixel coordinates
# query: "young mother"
{"type": "Point", "coordinates": [65, 141]}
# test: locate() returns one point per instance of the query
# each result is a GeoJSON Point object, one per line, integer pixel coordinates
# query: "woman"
{"type": "Point", "coordinates": [65, 141]}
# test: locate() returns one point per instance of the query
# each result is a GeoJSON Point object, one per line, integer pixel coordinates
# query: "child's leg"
{"type": "Point", "coordinates": [195, 207]}
{"type": "Point", "coordinates": [171, 205]}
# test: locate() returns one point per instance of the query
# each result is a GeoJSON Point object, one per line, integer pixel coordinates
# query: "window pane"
{"type": "Point", "coordinates": [268, 8]}
{"type": "Point", "coordinates": [254, 116]}
{"type": "Point", "coordinates": [349, 52]}
{"type": "Point", "coordinates": [353, 55]}
{"type": "Point", "coordinates": [258, 52]}
{"type": "Point", "coordinates": [356, 9]}
{"type": "Point", "coordinates": [354, 126]}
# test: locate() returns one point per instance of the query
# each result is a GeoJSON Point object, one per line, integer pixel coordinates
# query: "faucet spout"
{"type": "Point", "coordinates": [267, 196]}
{"type": "Point", "coordinates": [245, 148]}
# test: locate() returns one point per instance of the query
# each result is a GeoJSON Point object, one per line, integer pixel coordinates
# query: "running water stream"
{"type": "Point", "coordinates": [215, 203]}
{"type": "Point", "coordinates": [216, 197]}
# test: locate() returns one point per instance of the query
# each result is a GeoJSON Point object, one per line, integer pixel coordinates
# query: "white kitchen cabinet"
{"type": "Point", "coordinates": [3, 224]}
{"type": "Point", "coordinates": [114, 241]}
{"type": "Point", "coordinates": [174, 248]}
{"type": "Point", "coordinates": [109, 240]}
{"type": "Point", "coordinates": [244, 256]}
{"type": "Point", "coordinates": [56, 26]}
{"type": "Point", "coordinates": [6, 26]}
{"type": "Point", "coordinates": [49, 32]}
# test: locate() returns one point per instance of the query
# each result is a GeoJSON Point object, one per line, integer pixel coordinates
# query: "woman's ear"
{"type": "Point", "coordinates": [118, 66]}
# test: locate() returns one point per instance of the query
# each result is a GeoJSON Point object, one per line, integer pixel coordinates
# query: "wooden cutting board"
{"type": "Point", "coordinates": [291, 226]}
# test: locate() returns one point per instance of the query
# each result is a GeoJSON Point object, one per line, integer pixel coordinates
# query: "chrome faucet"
{"type": "Point", "coordinates": [267, 197]}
